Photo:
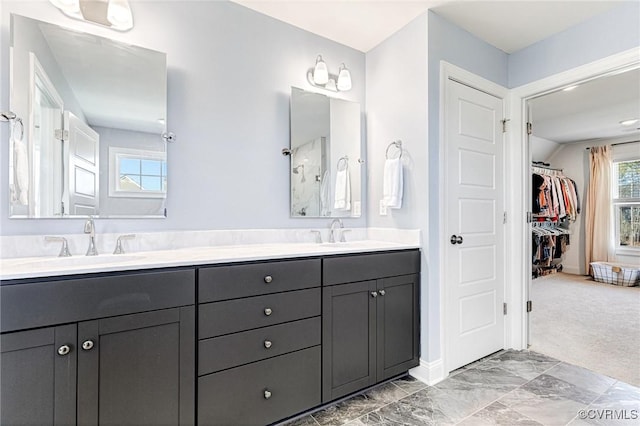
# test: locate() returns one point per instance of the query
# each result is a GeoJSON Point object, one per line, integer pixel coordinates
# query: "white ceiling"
{"type": "Point", "coordinates": [593, 110]}
{"type": "Point", "coordinates": [362, 24]}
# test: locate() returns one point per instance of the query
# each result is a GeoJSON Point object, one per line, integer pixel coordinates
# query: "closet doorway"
{"type": "Point", "coordinates": [574, 318]}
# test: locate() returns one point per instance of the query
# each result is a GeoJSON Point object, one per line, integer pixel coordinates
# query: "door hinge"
{"type": "Point", "coordinates": [529, 217]}
{"type": "Point", "coordinates": [504, 218]}
{"type": "Point", "coordinates": [529, 128]}
{"type": "Point", "coordinates": [504, 124]}
{"type": "Point", "coordinates": [529, 306]}
{"type": "Point", "coordinates": [504, 308]}
{"type": "Point", "coordinates": [61, 135]}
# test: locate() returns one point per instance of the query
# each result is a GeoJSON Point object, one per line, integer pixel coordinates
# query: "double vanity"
{"type": "Point", "coordinates": [227, 335]}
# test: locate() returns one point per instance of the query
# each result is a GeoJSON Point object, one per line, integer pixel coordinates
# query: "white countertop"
{"type": "Point", "coordinates": [35, 267]}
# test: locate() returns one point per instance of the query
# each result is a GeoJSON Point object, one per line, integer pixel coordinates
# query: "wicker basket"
{"type": "Point", "coordinates": [611, 273]}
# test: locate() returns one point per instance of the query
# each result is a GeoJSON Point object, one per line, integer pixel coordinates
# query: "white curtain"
{"type": "Point", "coordinates": [598, 206]}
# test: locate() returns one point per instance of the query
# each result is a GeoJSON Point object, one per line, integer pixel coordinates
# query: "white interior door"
{"type": "Point", "coordinates": [82, 157]}
{"type": "Point", "coordinates": [474, 275]}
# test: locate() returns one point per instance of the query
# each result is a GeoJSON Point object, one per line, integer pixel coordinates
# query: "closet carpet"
{"type": "Point", "coordinates": [586, 323]}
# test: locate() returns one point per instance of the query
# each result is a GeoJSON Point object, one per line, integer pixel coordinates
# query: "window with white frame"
{"type": "Point", "coordinates": [626, 204]}
{"type": "Point", "coordinates": [137, 173]}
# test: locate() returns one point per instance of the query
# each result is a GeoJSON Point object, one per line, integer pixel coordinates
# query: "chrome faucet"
{"type": "Point", "coordinates": [90, 228]}
{"type": "Point", "coordinates": [332, 230]}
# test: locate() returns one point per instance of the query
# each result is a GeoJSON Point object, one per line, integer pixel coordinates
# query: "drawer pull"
{"type": "Point", "coordinates": [267, 394]}
{"type": "Point", "coordinates": [374, 294]}
{"type": "Point", "coordinates": [87, 345]}
{"type": "Point", "coordinates": [382, 292]}
{"type": "Point", "coordinates": [268, 311]}
{"type": "Point", "coordinates": [267, 344]}
{"type": "Point", "coordinates": [63, 350]}
{"type": "Point", "coordinates": [268, 279]}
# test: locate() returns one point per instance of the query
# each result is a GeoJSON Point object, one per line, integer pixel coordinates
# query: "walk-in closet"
{"type": "Point", "coordinates": [584, 217]}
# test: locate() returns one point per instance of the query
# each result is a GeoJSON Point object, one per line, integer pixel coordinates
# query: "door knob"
{"type": "Point", "coordinates": [456, 239]}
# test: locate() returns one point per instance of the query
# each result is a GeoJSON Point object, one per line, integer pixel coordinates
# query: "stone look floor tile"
{"type": "Point", "coordinates": [409, 384]}
{"type": "Point", "coordinates": [581, 377]}
{"type": "Point", "coordinates": [619, 405]}
{"type": "Point", "coordinates": [526, 364]}
{"type": "Point", "coordinates": [498, 414]}
{"type": "Point", "coordinates": [507, 388]}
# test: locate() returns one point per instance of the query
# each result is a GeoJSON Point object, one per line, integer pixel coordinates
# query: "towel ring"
{"type": "Point", "coordinates": [17, 121]}
{"type": "Point", "coordinates": [398, 145]}
{"type": "Point", "coordinates": [344, 161]}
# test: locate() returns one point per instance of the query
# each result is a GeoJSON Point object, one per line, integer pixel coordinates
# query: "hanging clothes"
{"type": "Point", "coordinates": [554, 196]}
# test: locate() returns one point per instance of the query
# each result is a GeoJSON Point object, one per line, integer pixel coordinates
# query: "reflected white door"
{"type": "Point", "coordinates": [474, 275]}
{"type": "Point", "coordinates": [82, 162]}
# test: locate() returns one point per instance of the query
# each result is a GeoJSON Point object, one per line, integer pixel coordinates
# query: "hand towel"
{"type": "Point", "coordinates": [343, 190]}
{"type": "Point", "coordinates": [392, 183]}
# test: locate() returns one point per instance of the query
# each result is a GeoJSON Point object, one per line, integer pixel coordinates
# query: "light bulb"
{"type": "Point", "coordinates": [67, 6]}
{"type": "Point", "coordinates": [119, 14]}
{"type": "Point", "coordinates": [344, 79]}
{"type": "Point", "coordinates": [320, 72]}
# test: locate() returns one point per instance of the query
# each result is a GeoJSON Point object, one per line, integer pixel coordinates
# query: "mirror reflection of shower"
{"type": "Point", "coordinates": [299, 169]}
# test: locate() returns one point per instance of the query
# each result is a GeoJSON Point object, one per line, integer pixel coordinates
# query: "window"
{"type": "Point", "coordinates": [626, 204]}
{"type": "Point", "coordinates": [137, 173]}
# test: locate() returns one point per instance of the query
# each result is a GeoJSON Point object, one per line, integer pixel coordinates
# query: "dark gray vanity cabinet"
{"type": "Point", "coordinates": [259, 330]}
{"type": "Point", "coordinates": [124, 354]}
{"type": "Point", "coordinates": [370, 319]}
{"type": "Point", "coordinates": [38, 386]}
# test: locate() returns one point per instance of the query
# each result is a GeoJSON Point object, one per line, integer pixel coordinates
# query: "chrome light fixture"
{"type": "Point", "coordinates": [115, 14]}
{"type": "Point", "coordinates": [319, 76]}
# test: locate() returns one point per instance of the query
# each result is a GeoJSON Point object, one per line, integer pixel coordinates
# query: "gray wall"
{"type": "Point", "coordinates": [611, 32]}
{"type": "Point", "coordinates": [230, 75]}
{"type": "Point", "coordinates": [397, 109]}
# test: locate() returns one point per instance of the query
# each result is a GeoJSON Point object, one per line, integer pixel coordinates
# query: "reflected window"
{"type": "Point", "coordinates": [137, 173]}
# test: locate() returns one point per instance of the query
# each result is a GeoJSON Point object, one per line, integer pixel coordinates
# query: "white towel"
{"type": "Point", "coordinates": [21, 154]}
{"type": "Point", "coordinates": [392, 183]}
{"type": "Point", "coordinates": [343, 190]}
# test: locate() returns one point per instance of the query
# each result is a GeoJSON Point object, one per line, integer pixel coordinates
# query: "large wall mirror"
{"type": "Point", "coordinates": [325, 156]}
{"type": "Point", "coordinates": [91, 112]}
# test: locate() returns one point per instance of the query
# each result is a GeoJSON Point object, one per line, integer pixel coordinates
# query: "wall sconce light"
{"type": "Point", "coordinates": [115, 14]}
{"type": "Point", "coordinates": [319, 76]}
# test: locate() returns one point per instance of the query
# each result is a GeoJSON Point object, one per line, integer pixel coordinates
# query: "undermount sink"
{"type": "Point", "coordinates": [80, 260]}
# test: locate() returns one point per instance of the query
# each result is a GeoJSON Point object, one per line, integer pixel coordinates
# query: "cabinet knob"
{"type": "Point", "coordinates": [268, 311]}
{"type": "Point", "coordinates": [267, 394]}
{"type": "Point", "coordinates": [374, 294]}
{"type": "Point", "coordinates": [382, 292]}
{"type": "Point", "coordinates": [87, 345]}
{"type": "Point", "coordinates": [63, 350]}
{"type": "Point", "coordinates": [267, 344]}
{"type": "Point", "coordinates": [268, 279]}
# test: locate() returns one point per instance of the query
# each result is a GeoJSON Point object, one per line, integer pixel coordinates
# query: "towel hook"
{"type": "Point", "coordinates": [398, 145]}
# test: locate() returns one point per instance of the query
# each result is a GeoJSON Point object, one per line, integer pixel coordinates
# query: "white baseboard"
{"type": "Point", "coordinates": [571, 269]}
{"type": "Point", "coordinates": [429, 372]}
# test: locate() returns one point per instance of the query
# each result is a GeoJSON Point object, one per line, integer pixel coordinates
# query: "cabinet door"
{"type": "Point", "coordinates": [38, 385]}
{"type": "Point", "coordinates": [348, 338]}
{"type": "Point", "coordinates": [398, 322]}
{"type": "Point", "coordinates": [137, 369]}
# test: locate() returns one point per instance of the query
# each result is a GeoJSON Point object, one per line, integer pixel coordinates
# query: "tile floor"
{"type": "Point", "coordinates": [506, 388]}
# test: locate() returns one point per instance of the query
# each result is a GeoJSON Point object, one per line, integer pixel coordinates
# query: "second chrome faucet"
{"type": "Point", "coordinates": [90, 228]}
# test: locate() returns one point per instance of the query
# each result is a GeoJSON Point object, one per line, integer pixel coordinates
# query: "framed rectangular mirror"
{"type": "Point", "coordinates": [91, 112]}
{"type": "Point", "coordinates": [325, 156]}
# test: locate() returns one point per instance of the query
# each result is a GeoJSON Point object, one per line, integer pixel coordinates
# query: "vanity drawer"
{"type": "Point", "coordinates": [39, 304]}
{"type": "Point", "coordinates": [220, 353]}
{"type": "Point", "coordinates": [230, 282]}
{"type": "Point", "coordinates": [261, 393]}
{"type": "Point", "coordinates": [231, 316]}
{"type": "Point", "coordinates": [364, 267]}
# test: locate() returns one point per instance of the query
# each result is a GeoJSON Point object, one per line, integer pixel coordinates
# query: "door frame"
{"type": "Point", "coordinates": [519, 272]}
{"type": "Point", "coordinates": [449, 71]}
